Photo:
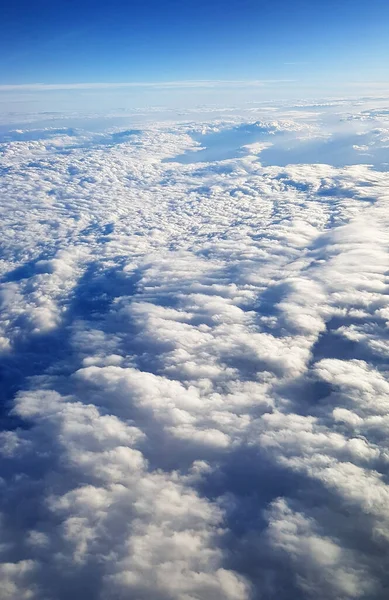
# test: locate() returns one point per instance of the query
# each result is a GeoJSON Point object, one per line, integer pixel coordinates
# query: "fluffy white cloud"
{"type": "Point", "coordinates": [194, 351]}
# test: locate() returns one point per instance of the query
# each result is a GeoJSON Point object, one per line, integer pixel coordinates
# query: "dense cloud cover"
{"type": "Point", "coordinates": [194, 357]}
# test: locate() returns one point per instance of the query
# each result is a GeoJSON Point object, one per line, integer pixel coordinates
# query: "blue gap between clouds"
{"type": "Point", "coordinates": [337, 150]}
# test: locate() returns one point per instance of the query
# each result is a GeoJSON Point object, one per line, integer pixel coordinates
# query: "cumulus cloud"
{"type": "Point", "coordinates": [194, 362]}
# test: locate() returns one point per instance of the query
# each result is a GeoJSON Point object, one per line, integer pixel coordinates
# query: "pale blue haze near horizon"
{"type": "Point", "coordinates": [300, 46]}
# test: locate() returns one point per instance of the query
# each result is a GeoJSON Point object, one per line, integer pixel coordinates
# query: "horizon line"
{"type": "Point", "coordinates": [139, 84]}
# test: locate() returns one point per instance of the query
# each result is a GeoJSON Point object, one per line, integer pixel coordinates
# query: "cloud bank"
{"type": "Point", "coordinates": [194, 359]}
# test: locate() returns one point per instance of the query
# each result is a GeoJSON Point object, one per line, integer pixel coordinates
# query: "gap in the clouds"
{"type": "Point", "coordinates": [30, 357]}
{"type": "Point", "coordinates": [337, 151]}
{"type": "Point", "coordinates": [286, 147]}
{"type": "Point", "coordinates": [97, 289]}
{"type": "Point", "coordinates": [331, 343]}
{"type": "Point", "coordinates": [305, 395]}
{"type": "Point", "coordinates": [225, 144]}
{"type": "Point", "coordinates": [244, 483]}
{"type": "Point", "coordinates": [308, 395]}
{"type": "Point", "coordinates": [98, 140]}
{"type": "Point", "coordinates": [71, 138]}
{"type": "Point", "coordinates": [35, 135]}
{"type": "Point", "coordinates": [51, 354]}
{"type": "Point", "coordinates": [250, 476]}
{"type": "Point", "coordinates": [27, 269]}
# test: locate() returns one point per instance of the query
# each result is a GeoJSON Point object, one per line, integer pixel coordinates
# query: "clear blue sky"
{"type": "Point", "coordinates": [155, 40]}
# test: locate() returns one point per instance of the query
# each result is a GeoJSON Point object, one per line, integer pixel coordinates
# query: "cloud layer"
{"type": "Point", "coordinates": [194, 360]}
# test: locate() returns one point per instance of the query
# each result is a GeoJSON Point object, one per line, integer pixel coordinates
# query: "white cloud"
{"type": "Point", "coordinates": [324, 569]}
{"type": "Point", "coordinates": [194, 364]}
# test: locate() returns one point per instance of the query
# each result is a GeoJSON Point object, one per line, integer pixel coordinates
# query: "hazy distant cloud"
{"type": "Point", "coordinates": [32, 87]}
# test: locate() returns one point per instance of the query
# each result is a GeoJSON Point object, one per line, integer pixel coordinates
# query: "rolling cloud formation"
{"type": "Point", "coordinates": [194, 358]}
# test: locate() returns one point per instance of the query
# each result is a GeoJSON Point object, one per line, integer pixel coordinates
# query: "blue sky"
{"type": "Point", "coordinates": [152, 40]}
